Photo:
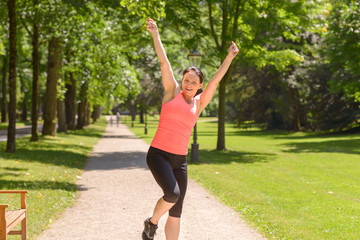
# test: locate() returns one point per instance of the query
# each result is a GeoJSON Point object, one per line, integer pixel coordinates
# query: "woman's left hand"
{"type": "Point", "coordinates": [233, 50]}
{"type": "Point", "coordinates": [151, 26]}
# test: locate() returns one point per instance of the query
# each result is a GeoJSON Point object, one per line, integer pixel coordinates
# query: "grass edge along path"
{"type": "Point", "coordinates": [48, 169]}
{"type": "Point", "coordinates": [287, 185]}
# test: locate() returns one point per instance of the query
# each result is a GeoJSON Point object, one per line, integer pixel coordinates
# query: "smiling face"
{"type": "Point", "coordinates": [191, 83]}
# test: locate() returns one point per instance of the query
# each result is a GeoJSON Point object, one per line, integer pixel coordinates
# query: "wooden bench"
{"type": "Point", "coordinates": [10, 218]}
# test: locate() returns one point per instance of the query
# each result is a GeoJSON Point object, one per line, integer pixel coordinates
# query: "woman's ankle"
{"type": "Point", "coordinates": [153, 221]}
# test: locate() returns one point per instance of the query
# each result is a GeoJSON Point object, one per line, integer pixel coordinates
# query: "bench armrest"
{"type": "Point", "coordinates": [13, 191]}
{"type": "Point", "coordinates": [22, 197]}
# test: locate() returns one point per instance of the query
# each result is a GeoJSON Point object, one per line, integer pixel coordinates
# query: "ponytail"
{"type": "Point", "coordinates": [199, 91]}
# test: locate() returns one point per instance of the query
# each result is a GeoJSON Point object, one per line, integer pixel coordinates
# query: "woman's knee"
{"type": "Point", "coordinates": [172, 195]}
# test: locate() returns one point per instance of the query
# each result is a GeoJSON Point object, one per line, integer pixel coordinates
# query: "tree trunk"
{"type": "Point", "coordinates": [54, 60]}
{"type": "Point", "coordinates": [23, 115]}
{"type": "Point", "coordinates": [96, 113]}
{"type": "Point", "coordinates": [61, 116]}
{"type": "Point", "coordinates": [221, 116]}
{"type": "Point", "coordinates": [87, 114]}
{"type": "Point", "coordinates": [81, 116]}
{"type": "Point", "coordinates": [70, 103]}
{"type": "Point", "coordinates": [35, 84]}
{"type": "Point", "coordinates": [141, 113]}
{"type": "Point", "coordinates": [4, 102]}
{"type": "Point", "coordinates": [221, 110]}
{"type": "Point", "coordinates": [82, 106]}
{"type": "Point", "coordinates": [296, 126]}
{"type": "Point", "coordinates": [133, 111]}
{"type": "Point", "coordinates": [10, 147]}
{"type": "Point", "coordinates": [225, 36]}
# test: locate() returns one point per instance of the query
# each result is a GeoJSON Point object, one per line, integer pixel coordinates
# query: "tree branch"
{"type": "Point", "coordinates": [24, 24]}
{"type": "Point", "coordinates": [236, 18]}
{"type": "Point", "coordinates": [225, 24]}
{"type": "Point", "coordinates": [212, 26]}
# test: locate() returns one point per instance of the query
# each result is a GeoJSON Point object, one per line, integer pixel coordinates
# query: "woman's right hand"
{"type": "Point", "coordinates": [151, 26]}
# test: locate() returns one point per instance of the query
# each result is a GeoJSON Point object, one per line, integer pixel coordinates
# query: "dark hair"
{"type": "Point", "coordinates": [200, 75]}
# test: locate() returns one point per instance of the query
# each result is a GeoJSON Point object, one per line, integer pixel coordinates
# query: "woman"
{"type": "Point", "coordinates": [166, 157]}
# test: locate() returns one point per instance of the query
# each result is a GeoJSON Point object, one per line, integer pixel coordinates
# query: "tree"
{"type": "Point", "coordinates": [10, 147]}
{"type": "Point", "coordinates": [36, 71]}
{"type": "Point", "coordinates": [255, 26]}
{"type": "Point", "coordinates": [56, 29]}
{"type": "Point", "coordinates": [31, 15]}
{"type": "Point", "coordinates": [299, 97]}
{"type": "Point", "coordinates": [70, 98]}
{"type": "Point", "coordinates": [342, 47]}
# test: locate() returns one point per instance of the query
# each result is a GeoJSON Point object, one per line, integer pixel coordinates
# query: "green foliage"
{"type": "Point", "coordinates": [151, 8]}
{"type": "Point", "coordinates": [279, 59]}
{"type": "Point", "coordinates": [300, 99]}
{"type": "Point", "coordinates": [2, 48]}
{"type": "Point", "coordinates": [262, 30]}
{"type": "Point", "coordinates": [3, 26]}
{"type": "Point", "coordinates": [294, 94]}
{"type": "Point", "coordinates": [342, 46]}
{"type": "Point", "coordinates": [106, 46]}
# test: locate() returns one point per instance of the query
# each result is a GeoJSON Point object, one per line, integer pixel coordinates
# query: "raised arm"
{"type": "Point", "coordinates": [210, 89]}
{"type": "Point", "coordinates": [170, 85]}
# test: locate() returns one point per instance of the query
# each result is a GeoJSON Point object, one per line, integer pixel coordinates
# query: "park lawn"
{"type": "Point", "coordinates": [287, 185]}
{"type": "Point", "coordinates": [48, 169]}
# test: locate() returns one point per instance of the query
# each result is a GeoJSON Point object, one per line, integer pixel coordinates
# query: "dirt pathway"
{"type": "Point", "coordinates": [118, 192]}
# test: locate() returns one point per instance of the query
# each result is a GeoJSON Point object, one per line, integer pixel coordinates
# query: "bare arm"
{"type": "Point", "coordinates": [170, 85]}
{"type": "Point", "coordinates": [210, 89]}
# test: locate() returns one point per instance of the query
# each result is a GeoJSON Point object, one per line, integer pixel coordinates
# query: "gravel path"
{"type": "Point", "coordinates": [118, 192]}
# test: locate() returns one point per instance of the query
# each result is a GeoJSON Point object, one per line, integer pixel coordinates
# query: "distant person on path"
{"type": "Point", "coordinates": [117, 119]}
{"type": "Point", "coordinates": [166, 157]}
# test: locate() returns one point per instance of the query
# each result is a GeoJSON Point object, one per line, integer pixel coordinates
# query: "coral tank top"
{"type": "Point", "coordinates": [177, 119]}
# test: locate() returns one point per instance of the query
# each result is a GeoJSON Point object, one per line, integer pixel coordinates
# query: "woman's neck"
{"type": "Point", "coordinates": [187, 98]}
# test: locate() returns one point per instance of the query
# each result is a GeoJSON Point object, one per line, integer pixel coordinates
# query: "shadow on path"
{"type": "Point", "coordinates": [117, 160]}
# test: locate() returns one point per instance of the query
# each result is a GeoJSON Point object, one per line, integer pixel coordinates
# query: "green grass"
{"type": "Point", "coordinates": [287, 185]}
{"type": "Point", "coordinates": [49, 169]}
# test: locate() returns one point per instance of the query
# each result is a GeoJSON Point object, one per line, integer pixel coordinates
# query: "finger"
{"type": "Point", "coordinates": [152, 24]}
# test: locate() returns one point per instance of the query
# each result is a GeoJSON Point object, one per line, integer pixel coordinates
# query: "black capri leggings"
{"type": "Point", "coordinates": [170, 172]}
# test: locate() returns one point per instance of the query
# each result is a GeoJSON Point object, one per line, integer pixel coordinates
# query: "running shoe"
{"type": "Point", "coordinates": [149, 230]}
